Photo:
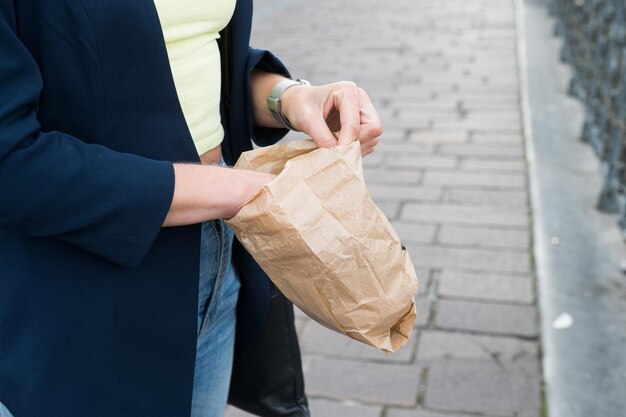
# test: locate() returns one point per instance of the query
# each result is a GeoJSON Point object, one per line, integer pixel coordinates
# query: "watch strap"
{"type": "Point", "coordinates": [274, 104]}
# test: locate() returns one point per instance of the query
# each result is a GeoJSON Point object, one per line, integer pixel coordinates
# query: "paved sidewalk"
{"type": "Point", "coordinates": [450, 174]}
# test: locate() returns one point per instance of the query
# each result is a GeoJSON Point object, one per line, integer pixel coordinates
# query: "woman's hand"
{"type": "Point", "coordinates": [199, 192]}
{"type": "Point", "coordinates": [320, 111]}
{"type": "Point", "coordinates": [338, 107]}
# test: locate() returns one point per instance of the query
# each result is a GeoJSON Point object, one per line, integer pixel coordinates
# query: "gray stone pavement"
{"type": "Point", "coordinates": [450, 174]}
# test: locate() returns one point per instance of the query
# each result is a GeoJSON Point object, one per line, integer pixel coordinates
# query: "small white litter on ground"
{"type": "Point", "coordinates": [563, 321]}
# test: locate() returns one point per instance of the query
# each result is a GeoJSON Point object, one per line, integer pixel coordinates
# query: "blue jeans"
{"type": "Point", "coordinates": [217, 300]}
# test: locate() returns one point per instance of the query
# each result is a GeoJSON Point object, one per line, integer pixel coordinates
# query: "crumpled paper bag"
{"type": "Point", "coordinates": [320, 238]}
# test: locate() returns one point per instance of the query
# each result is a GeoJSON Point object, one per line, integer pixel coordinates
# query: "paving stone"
{"type": "Point", "coordinates": [429, 114]}
{"type": "Point", "coordinates": [510, 130]}
{"type": "Point", "coordinates": [473, 179]}
{"type": "Point", "coordinates": [405, 147]}
{"type": "Point", "coordinates": [422, 109]}
{"type": "Point", "coordinates": [499, 139]}
{"type": "Point", "coordinates": [437, 345]}
{"type": "Point", "coordinates": [495, 83]}
{"type": "Point", "coordinates": [392, 134]}
{"type": "Point", "coordinates": [473, 100]}
{"type": "Point", "coordinates": [398, 412]}
{"type": "Point", "coordinates": [485, 237]}
{"type": "Point", "coordinates": [408, 96]}
{"type": "Point", "coordinates": [487, 317]}
{"type": "Point", "coordinates": [432, 100]}
{"type": "Point", "coordinates": [484, 104]}
{"type": "Point", "coordinates": [423, 306]}
{"type": "Point", "coordinates": [299, 314]}
{"type": "Point", "coordinates": [486, 110]}
{"type": "Point", "coordinates": [432, 105]}
{"type": "Point", "coordinates": [301, 324]}
{"type": "Point", "coordinates": [508, 113]}
{"type": "Point", "coordinates": [389, 208]}
{"type": "Point", "coordinates": [475, 124]}
{"type": "Point", "coordinates": [490, 197]}
{"type": "Point", "coordinates": [411, 232]}
{"type": "Point", "coordinates": [496, 88]}
{"type": "Point", "coordinates": [386, 115]}
{"type": "Point", "coordinates": [466, 214]}
{"type": "Point", "coordinates": [319, 340]}
{"type": "Point", "coordinates": [409, 123]}
{"type": "Point", "coordinates": [362, 381]}
{"type": "Point", "coordinates": [387, 176]}
{"type": "Point", "coordinates": [373, 160]}
{"type": "Point", "coordinates": [461, 284]}
{"type": "Point", "coordinates": [404, 193]}
{"type": "Point", "coordinates": [325, 408]}
{"type": "Point", "coordinates": [424, 277]}
{"type": "Point", "coordinates": [491, 165]}
{"type": "Point", "coordinates": [472, 259]}
{"type": "Point", "coordinates": [473, 149]}
{"type": "Point", "coordinates": [235, 412]}
{"type": "Point", "coordinates": [421, 161]}
{"type": "Point", "coordinates": [437, 137]}
{"type": "Point", "coordinates": [413, 91]}
{"type": "Point", "coordinates": [293, 136]}
{"type": "Point", "coordinates": [485, 386]}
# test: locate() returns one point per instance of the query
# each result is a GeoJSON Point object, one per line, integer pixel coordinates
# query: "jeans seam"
{"type": "Point", "coordinates": [215, 300]}
{"type": "Point", "coordinates": [224, 260]}
{"type": "Point", "coordinates": [210, 299]}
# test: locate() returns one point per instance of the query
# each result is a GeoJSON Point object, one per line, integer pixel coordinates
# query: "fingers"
{"type": "Point", "coordinates": [369, 146]}
{"type": "Point", "coordinates": [371, 127]}
{"type": "Point", "coordinates": [320, 133]}
{"type": "Point", "coordinates": [346, 100]}
{"type": "Point", "coordinates": [369, 111]}
{"type": "Point", "coordinates": [338, 106]}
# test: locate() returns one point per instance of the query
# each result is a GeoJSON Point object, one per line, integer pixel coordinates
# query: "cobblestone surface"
{"type": "Point", "coordinates": [450, 174]}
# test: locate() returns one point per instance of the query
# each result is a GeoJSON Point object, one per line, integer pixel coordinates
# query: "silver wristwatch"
{"type": "Point", "coordinates": [274, 104]}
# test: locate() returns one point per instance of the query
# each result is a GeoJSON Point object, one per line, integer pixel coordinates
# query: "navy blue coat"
{"type": "Point", "coordinates": [97, 301]}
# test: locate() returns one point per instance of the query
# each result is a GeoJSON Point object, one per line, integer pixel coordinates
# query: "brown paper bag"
{"type": "Point", "coordinates": [321, 239]}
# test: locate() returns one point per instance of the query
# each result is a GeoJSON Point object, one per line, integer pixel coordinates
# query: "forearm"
{"type": "Point", "coordinates": [204, 193]}
{"type": "Point", "coordinates": [262, 84]}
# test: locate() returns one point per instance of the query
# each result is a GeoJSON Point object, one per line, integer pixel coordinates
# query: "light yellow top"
{"type": "Point", "coordinates": [190, 29]}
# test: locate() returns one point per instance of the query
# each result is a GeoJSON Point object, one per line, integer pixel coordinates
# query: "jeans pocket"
{"type": "Point", "coordinates": [4, 412]}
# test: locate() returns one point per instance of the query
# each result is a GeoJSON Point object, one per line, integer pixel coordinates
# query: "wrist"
{"type": "Point", "coordinates": [281, 98]}
{"type": "Point", "coordinates": [251, 184]}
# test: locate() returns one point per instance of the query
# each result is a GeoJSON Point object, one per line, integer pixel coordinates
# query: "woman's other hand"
{"type": "Point", "coordinates": [204, 192]}
{"type": "Point", "coordinates": [337, 107]}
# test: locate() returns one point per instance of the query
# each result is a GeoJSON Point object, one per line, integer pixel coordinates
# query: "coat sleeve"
{"type": "Point", "coordinates": [56, 186]}
{"type": "Point", "coordinates": [265, 60]}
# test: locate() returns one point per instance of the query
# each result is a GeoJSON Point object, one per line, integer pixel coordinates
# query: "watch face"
{"type": "Point", "coordinates": [272, 103]}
